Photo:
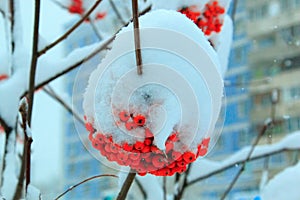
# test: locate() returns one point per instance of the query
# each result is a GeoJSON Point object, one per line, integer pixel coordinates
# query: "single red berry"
{"type": "Point", "coordinates": [205, 142]}
{"type": "Point", "coordinates": [89, 127]}
{"type": "Point", "coordinates": [148, 141]}
{"type": "Point", "coordinates": [114, 149]}
{"type": "Point", "coordinates": [3, 77]}
{"type": "Point", "coordinates": [189, 157]}
{"type": "Point", "coordinates": [158, 161]}
{"type": "Point", "coordinates": [100, 138]}
{"type": "Point", "coordinates": [130, 126]}
{"type": "Point", "coordinates": [169, 146]}
{"type": "Point", "coordinates": [176, 155]}
{"type": "Point", "coordinates": [107, 147]}
{"type": "Point", "coordinates": [146, 149]}
{"type": "Point", "coordinates": [127, 147]}
{"type": "Point", "coordinates": [156, 150]}
{"type": "Point", "coordinates": [135, 155]}
{"type": "Point", "coordinates": [181, 163]}
{"type": "Point", "coordinates": [139, 145]}
{"type": "Point", "coordinates": [100, 15]}
{"type": "Point", "coordinates": [180, 169]}
{"type": "Point", "coordinates": [96, 144]}
{"type": "Point", "coordinates": [202, 151]}
{"type": "Point", "coordinates": [124, 116]}
{"type": "Point", "coordinates": [139, 120]}
{"type": "Point", "coordinates": [172, 165]}
{"type": "Point", "coordinates": [142, 173]}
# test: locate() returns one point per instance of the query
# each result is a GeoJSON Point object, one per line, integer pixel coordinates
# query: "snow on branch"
{"type": "Point", "coordinates": [205, 168]}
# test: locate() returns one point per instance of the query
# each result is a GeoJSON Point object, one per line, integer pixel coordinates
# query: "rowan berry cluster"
{"type": "Point", "coordinates": [144, 156]}
{"type": "Point", "coordinates": [209, 20]}
{"type": "Point", "coordinates": [76, 7]}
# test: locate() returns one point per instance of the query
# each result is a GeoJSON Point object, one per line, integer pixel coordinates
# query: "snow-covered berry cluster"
{"type": "Point", "coordinates": [144, 156]}
{"type": "Point", "coordinates": [209, 20]}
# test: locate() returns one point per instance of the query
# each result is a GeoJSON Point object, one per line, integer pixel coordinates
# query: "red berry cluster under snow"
{"type": "Point", "coordinates": [76, 7]}
{"type": "Point", "coordinates": [209, 20]}
{"type": "Point", "coordinates": [143, 156]}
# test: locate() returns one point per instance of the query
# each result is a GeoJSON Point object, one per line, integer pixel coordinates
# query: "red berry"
{"type": "Point", "coordinates": [202, 151]}
{"type": "Point", "coordinates": [181, 163]}
{"type": "Point", "coordinates": [139, 120]}
{"type": "Point", "coordinates": [127, 147]}
{"type": "Point", "coordinates": [3, 77]}
{"type": "Point", "coordinates": [139, 145]}
{"type": "Point", "coordinates": [142, 173]}
{"type": "Point", "coordinates": [189, 157]}
{"type": "Point", "coordinates": [172, 165]}
{"type": "Point", "coordinates": [205, 142]}
{"type": "Point", "coordinates": [146, 149]}
{"type": "Point", "coordinates": [130, 126]}
{"type": "Point", "coordinates": [148, 141]}
{"type": "Point", "coordinates": [122, 156]}
{"type": "Point", "coordinates": [169, 146]}
{"type": "Point", "coordinates": [124, 116]}
{"type": "Point", "coordinates": [176, 155]}
{"type": "Point", "coordinates": [158, 161]}
{"type": "Point", "coordinates": [135, 155]}
{"type": "Point", "coordinates": [100, 138]}
{"type": "Point", "coordinates": [100, 15]}
{"type": "Point", "coordinates": [89, 127]}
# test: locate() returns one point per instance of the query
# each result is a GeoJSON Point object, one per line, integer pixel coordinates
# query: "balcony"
{"type": "Point", "coordinates": [270, 24]}
{"type": "Point", "coordinates": [278, 51]}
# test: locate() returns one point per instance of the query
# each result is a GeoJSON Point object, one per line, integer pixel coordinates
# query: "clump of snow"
{"type": "Point", "coordinates": [284, 185]}
{"type": "Point", "coordinates": [180, 74]}
{"type": "Point", "coordinates": [33, 193]}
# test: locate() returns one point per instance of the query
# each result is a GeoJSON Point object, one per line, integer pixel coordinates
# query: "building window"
{"type": "Point", "coordinates": [295, 92]}
{"type": "Point", "coordinates": [242, 109]}
{"type": "Point", "coordinates": [266, 41]}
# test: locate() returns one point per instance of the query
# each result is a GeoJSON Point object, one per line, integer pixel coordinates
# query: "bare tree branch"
{"type": "Point", "coordinates": [28, 140]}
{"type": "Point", "coordinates": [165, 187]}
{"type": "Point", "coordinates": [184, 184]}
{"type": "Point", "coordinates": [242, 168]}
{"type": "Point", "coordinates": [68, 32]}
{"type": "Point", "coordinates": [201, 178]}
{"type": "Point", "coordinates": [20, 186]}
{"type": "Point", "coordinates": [142, 189]}
{"type": "Point", "coordinates": [91, 55]}
{"type": "Point", "coordinates": [84, 181]}
{"type": "Point", "coordinates": [126, 185]}
{"type": "Point", "coordinates": [137, 40]}
{"type": "Point", "coordinates": [115, 9]}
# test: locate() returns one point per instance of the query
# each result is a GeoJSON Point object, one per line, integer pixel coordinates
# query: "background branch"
{"type": "Point", "coordinates": [84, 181]}
{"type": "Point", "coordinates": [126, 185]}
{"type": "Point", "coordinates": [73, 28]}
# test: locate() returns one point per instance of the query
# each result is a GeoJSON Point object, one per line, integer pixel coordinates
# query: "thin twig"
{"type": "Point", "coordinates": [97, 33]}
{"type": "Point", "coordinates": [115, 9]}
{"type": "Point", "coordinates": [68, 32]}
{"type": "Point", "coordinates": [33, 60]}
{"type": "Point", "coordinates": [242, 168]}
{"type": "Point", "coordinates": [31, 87]}
{"type": "Point", "coordinates": [12, 23]}
{"type": "Point", "coordinates": [56, 97]}
{"type": "Point", "coordinates": [142, 189]}
{"type": "Point", "coordinates": [201, 178]}
{"type": "Point", "coordinates": [125, 188]}
{"type": "Point", "coordinates": [88, 57]}
{"type": "Point", "coordinates": [59, 4]}
{"type": "Point", "coordinates": [165, 187]}
{"type": "Point", "coordinates": [137, 40]}
{"type": "Point", "coordinates": [84, 181]}
{"type": "Point", "coordinates": [184, 184]}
